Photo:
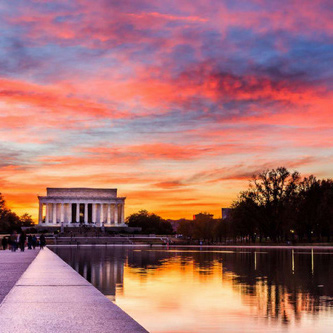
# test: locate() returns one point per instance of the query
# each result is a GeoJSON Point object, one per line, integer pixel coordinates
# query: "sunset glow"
{"type": "Point", "coordinates": [175, 103]}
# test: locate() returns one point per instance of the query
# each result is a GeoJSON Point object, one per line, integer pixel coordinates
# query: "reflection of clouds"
{"type": "Point", "coordinates": [211, 291]}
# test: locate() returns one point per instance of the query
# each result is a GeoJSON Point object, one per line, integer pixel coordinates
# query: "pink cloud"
{"type": "Point", "coordinates": [174, 105]}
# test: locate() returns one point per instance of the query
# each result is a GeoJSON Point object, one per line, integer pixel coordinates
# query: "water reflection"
{"type": "Point", "coordinates": [104, 269]}
{"type": "Point", "coordinates": [213, 290]}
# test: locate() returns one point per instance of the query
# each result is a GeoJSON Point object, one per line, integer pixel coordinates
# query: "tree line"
{"type": "Point", "coordinates": [278, 206]}
{"type": "Point", "coordinates": [10, 221]}
{"type": "Point", "coordinates": [149, 223]}
{"type": "Point", "coordinates": [282, 206]}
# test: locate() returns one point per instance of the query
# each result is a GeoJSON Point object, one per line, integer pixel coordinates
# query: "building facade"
{"type": "Point", "coordinates": [202, 216]}
{"type": "Point", "coordinates": [226, 213]}
{"type": "Point", "coordinates": [78, 206]}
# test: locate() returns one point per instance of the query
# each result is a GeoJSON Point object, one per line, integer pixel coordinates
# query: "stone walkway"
{"type": "Point", "coordinates": [12, 266]}
{"type": "Point", "coordinates": [52, 297]}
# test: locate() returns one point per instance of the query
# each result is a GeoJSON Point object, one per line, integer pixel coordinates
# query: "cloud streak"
{"type": "Point", "coordinates": [175, 103]}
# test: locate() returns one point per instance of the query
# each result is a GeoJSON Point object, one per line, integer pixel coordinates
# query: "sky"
{"type": "Point", "coordinates": [175, 103]}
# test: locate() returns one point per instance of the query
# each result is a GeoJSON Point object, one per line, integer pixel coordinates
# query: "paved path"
{"type": "Point", "coordinates": [12, 266]}
{"type": "Point", "coordinates": [52, 297]}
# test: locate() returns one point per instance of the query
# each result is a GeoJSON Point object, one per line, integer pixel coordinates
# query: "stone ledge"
{"type": "Point", "coordinates": [52, 297]}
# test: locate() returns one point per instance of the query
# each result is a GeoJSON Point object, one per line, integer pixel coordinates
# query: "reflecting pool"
{"type": "Point", "coordinates": [213, 290]}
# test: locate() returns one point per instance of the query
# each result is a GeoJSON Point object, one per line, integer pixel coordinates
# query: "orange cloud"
{"type": "Point", "coordinates": [175, 105]}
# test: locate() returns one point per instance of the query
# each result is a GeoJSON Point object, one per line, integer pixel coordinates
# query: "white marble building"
{"type": "Point", "coordinates": [77, 206]}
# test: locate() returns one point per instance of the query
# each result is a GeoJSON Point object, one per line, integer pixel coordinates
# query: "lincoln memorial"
{"type": "Point", "coordinates": [77, 206]}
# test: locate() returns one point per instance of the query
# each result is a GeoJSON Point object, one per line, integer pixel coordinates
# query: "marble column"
{"type": "Point", "coordinates": [77, 212]}
{"type": "Point", "coordinates": [47, 209]}
{"type": "Point", "coordinates": [119, 214]}
{"type": "Point", "coordinates": [116, 214]}
{"type": "Point", "coordinates": [85, 213]}
{"type": "Point", "coordinates": [69, 213]}
{"type": "Point", "coordinates": [94, 208]}
{"type": "Point", "coordinates": [40, 215]}
{"type": "Point", "coordinates": [101, 216]}
{"type": "Point", "coordinates": [112, 214]}
{"type": "Point", "coordinates": [62, 213]}
{"type": "Point", "coordinates": [109, 215]}
{"type": "Point", "coordinates": [54, 211]}
{"type": "Point", "coordinates": [123, 213]}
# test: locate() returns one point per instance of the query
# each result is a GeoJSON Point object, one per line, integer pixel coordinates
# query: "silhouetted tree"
{"type": "Point", "coordinates": [272, 191]}
{"type": "Point", "coordinates": [8, 219]}
{"type": "Point", "coordinates": [246, 217]}
{"type": "Point", "coordinates": [314, 206]}
{"type": "Point", "coordinates": [326, 209]}
{"type": "Point", "coordinates": [279, 205]}
{"type": "Point", "coordinates": [149, 222]}
{"type": "Point", "coordinates": [26, 220]}
{"type": "Point", "coordinates": [185, 228]}
{"type": "Point", "coordinates": [223, 229]}
{"type": "Point", "coordinates": [204, 226]}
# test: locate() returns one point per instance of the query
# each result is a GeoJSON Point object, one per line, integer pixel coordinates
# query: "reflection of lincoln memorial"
{"type": "Point", "coordinates": [102, 266]}
{"type": "Point", "coordinates": [106, 276]}
{"type": "Point", "coordinates": [74, 206]}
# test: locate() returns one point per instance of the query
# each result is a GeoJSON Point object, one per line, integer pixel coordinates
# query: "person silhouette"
{"type": "Point", "coordinates": [30, 242]}
{"type": "Point", "coordinates": [34, 241]}
{"type": "Point", "coordinates": [22, 240]}
{"type": "Point", "coordinates": [13, 241]}
{"type": "Point", "coordinates": [4, 243]}
{"type": "Point", "coordinates": [42, 241]}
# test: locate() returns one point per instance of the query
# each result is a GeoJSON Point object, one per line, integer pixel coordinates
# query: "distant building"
{"type": "Point", "coordinates": [201, 216]}
{"type": "Point", "coordinates": [74, 206]}
{"type": "Point", "coordinates": [226, 213]}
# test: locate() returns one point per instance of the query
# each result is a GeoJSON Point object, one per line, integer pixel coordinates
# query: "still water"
{"type": "Point", "coordinates": [213, 290]}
